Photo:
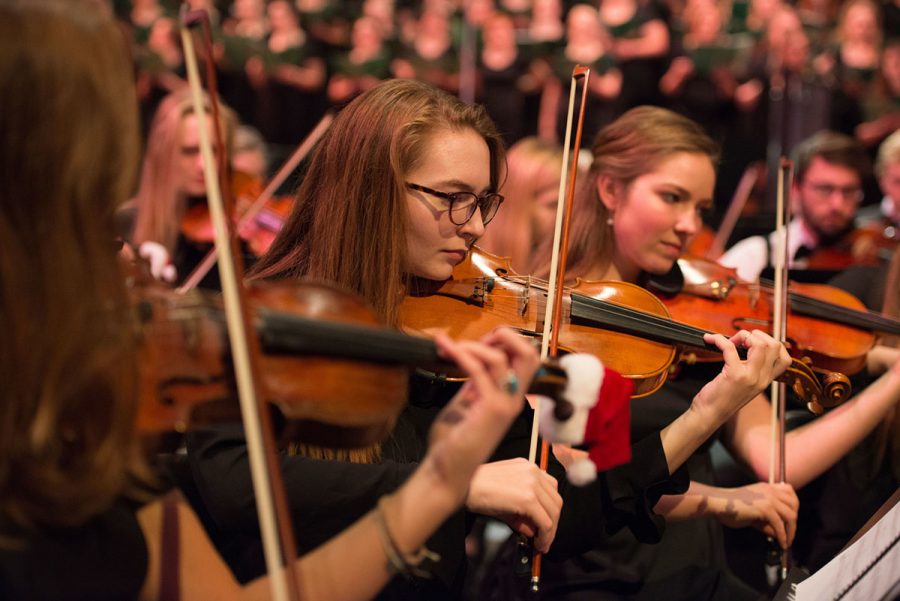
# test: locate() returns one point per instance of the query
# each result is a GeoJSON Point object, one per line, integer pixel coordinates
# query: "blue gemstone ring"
{"type": "Point", "coordinates": [511, 386]}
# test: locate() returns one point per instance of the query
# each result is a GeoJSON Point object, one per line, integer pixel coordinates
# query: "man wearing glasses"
{"type": "Point", "coordinates": [827, 189]}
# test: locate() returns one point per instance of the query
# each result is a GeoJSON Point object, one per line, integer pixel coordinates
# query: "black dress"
{"type": "Point", "coordinates": [327, 496]}
{"type": "Point", "coordinates": [689, 561]}
{"type": "Point", "coordinates": [504, 99]}
{"type": "Point", "coordinates": [598, 111]}
{"type": "Point", "coordinates": [105, 559]}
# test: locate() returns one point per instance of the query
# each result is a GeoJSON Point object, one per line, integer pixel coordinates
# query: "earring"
{"type": "Point", "coordinates": [609, 221]}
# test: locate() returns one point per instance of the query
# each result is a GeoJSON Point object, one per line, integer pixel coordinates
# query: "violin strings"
{"type": "Point", "coordinates": [662, 329]}
{"type": "Point", "coordinates": [845, 315]}
{"type": "Point", "coordinates": [659, 328]}
{"type": "Point", "coordinates": [864, 319]}
{"type": "Point", "coordinates": [848, 316]}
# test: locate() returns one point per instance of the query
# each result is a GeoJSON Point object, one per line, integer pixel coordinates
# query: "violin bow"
{"type": "Point", "coordinates": [556, 282]}
{"type": "Point", "coordinates": [732, 215]}
{"type": "Point", "coordinates": [275, 526]}
{"type": "Point", "coordinates": [778, 395]}
{"type": "Point", "coordinates": [283, 172]}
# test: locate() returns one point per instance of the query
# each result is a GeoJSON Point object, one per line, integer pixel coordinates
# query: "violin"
{"type": "Point", "coordinates": [627, 327]}
{"type": "Point", "coordinates": [867, 245]}
{"type": "Point", "coordinates": [259, 232]}
{"type": "Point", "coordinates": [331, 373]}
{"type": "Point", "coordinates": [829, 326]}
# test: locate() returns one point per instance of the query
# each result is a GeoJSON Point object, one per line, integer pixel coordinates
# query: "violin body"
{"type": "Point", "coordinates": [325, 398]}
{"type": "Point", "coordinates": [714, 298]}
{"type": "Point", "coordinates": [866, 245]}
{"type": "Point", "coordinates": [484, 293]}
{"type": "Point", "coordinates": [627, 327]}
{"type": "Point", "coordinates": [258, 233]}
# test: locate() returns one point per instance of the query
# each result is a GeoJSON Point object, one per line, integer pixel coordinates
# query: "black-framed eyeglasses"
{"type": "Point", "coordinates": [823, 190]}
{"type": "Point", "coordinates": [463, 204]}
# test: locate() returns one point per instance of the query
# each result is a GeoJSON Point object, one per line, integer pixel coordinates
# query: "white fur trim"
{"type": "Point", "coordinates": [582, 472]}
{"type": "Point", "coordinates": [584, 374]}
{"type": "Point", "coordinates": [585, 377]}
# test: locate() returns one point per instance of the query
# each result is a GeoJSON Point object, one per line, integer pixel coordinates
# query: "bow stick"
{"type": "Point", "coordinates": [779, 332]}
{"type": "Point", "coordinates": [555, 285]}
{"type": "Point", "coordinates": [277, 536]}
{"type": "Point", "coordinates": [286, 169]}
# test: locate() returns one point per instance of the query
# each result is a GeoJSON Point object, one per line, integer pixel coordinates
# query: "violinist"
{"type": "Point", "coordinates": [828, 186]}
{"type": "Point", "coordinates": [77, 519]}
{"type": "Point", "coordinates": [879, 217]}
{"type": "Point", "coordinates": [392, 214]}
{"type": "Point", "coordinates": [171, 184]}
{"type": "Point", "coordinates": [652, 176]}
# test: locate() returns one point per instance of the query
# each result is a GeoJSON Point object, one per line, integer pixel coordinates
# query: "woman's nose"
{"type": "Point", "coordinates": [688, 222]}
{"type": "Point", "coordinates": [474, 226]}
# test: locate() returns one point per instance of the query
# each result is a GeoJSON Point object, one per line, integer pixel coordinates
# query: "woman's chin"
{"type": "Point", "coordinates": [437, 273]}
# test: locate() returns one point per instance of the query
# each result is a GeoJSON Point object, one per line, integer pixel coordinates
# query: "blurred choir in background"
{"type": "Point", "coordinates": [759, 75]}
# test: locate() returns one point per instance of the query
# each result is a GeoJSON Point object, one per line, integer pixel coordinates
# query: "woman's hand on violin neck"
{"type": "Point", "coordinates": [517, 492]}
{"type": "Point", "coordinates": [740, 379]}
{"type": "Point", "coordinates": [770, 508]}
{"type": "Point", "coordinates": [469, 428]}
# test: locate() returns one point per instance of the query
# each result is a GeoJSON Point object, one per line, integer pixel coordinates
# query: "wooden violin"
{"type": "Point", "coordinates": [258, 232]}
{"type": "Point", "coordinates": [333, 374]}
{"type": "Point", "coordinates": [627, 327]}
{"type": "Point", "coordinates": [829, 326]}
{"type": "Point", "coordinates": [867, 245]}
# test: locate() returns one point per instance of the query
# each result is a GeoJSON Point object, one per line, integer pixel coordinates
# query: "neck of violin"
{"type": "Point", "coordinates": [598, 313]}
{"type": "Point", "coordinates": [290, 334]}
{"type": "Point", "coordinates": [813, 307]}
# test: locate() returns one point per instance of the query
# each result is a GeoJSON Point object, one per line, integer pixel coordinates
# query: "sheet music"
{"type": "Point", "coordinates": [867, 570]}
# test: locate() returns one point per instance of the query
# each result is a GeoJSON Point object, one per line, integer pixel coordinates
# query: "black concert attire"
{"type": "Point", "coordinates": [837, 504]}
{"type": "Point", "coordinates": [105, 559]}
{"type": "Point", "coordinates": [327, 496]}
{"type": "Point", "coordinates": [598, 111]}
{"type": "Point", "coordinates": [688, 563]}
{"type": "Point", "coordinates": [503, 97]}
{"type": "Point", "coordinates": [286, 113]}
{"type": "Point", "coordinates": [640, 76]}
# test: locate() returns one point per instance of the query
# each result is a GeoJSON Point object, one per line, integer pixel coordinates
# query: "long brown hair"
{"type": "Point", "coordinates": [629, 147]}
{"type": "Point", "coordinates": [159, 204]}
{"type": "Point", "coordinates": [69, 146]}
{"type": "Point", "coordinates": [348, 224]}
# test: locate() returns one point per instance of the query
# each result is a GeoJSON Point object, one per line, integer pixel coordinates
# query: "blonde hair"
{"type": "Point", "coordinates": [67, 361]}
{"type": "Point", "coordinates": [888, 153]}
{"type": "Point", "coordinates": [159, 204]}
{"type": "Point", "coordinates": [530, 163]}
{"type": "Point", "coordinates": [629, 147]}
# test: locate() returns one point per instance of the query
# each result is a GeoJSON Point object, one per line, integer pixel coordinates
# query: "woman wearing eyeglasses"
{"type": "Point", "coordinates": [396, 194]}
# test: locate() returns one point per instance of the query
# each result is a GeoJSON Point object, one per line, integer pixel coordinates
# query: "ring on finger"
{"type": "Point", "coordinates": [511, 384]}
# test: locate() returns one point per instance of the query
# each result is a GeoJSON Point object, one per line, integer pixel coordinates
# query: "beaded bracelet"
{"type": "Point", "coordinates": [407, 565]}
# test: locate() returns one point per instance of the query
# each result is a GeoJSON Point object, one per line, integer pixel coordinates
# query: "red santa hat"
{"type": "Point", "coordinates": [601, 420]}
